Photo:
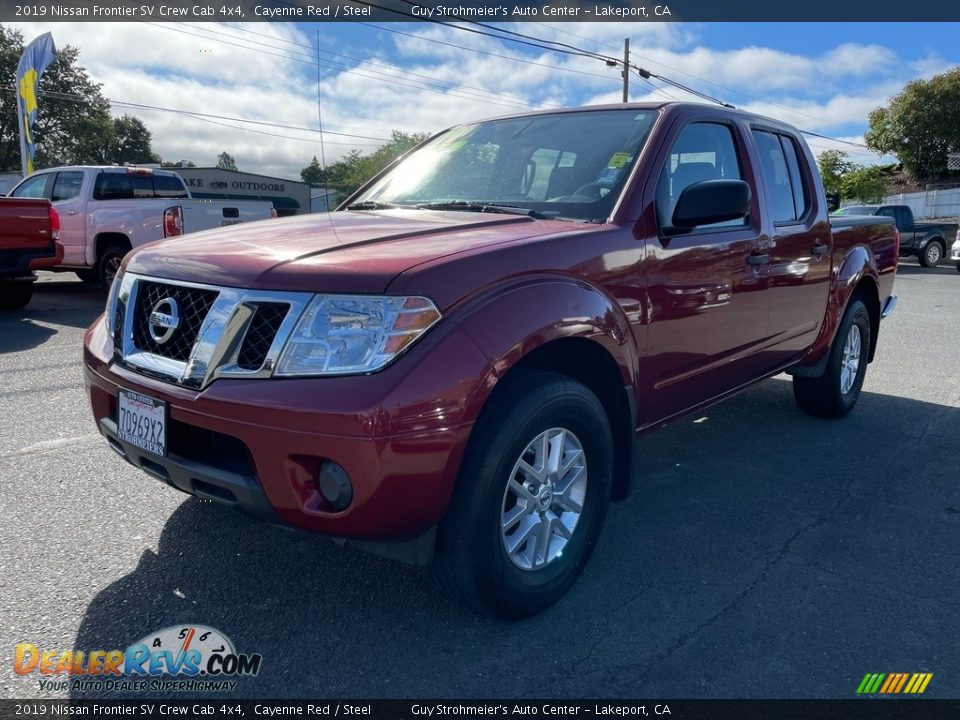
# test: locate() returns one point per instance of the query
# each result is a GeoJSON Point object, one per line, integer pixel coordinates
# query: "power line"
{"type": "Point", "coordinates": [567, 49]}
{"type": "Point", "coordinates": [573, 50]}
{"type": "Point", "coordinates": [833, 139]}
{"type": "Point", "coordinates": [142, 106]}
{"type": "Point", "coordinates": [276, 135]}
{"type": "Point", "coordinates": [449, 90]}
{"type": "Point", "coordinates": [582, 37]}
{"type": "Point", "coordinates": [531, 41]}
{"type": "Point", "coordinates": [735, 91]}
{"type": "Point", "coordinates": [500, 33]}
{"type": "Point", "coordinates": [485, 52]}
{"type": "Point", "coordinates": [458, 87]}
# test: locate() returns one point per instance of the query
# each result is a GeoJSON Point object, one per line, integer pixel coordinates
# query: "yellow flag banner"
{"type": "Point", "coordinates": [35, 59]}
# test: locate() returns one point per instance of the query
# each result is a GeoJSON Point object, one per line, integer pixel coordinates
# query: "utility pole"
{"type": "Point", "coordinates": [626, 69]}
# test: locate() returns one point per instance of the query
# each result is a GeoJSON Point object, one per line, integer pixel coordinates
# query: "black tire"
{"type": "Point", "coordinates": [108, 264]}
{"type": "Point", "coordinates": [15, 295]}
{"type": "Point", "coordinates": [824, 396]}
{"type": "Point", "coordinates": [958, 267]}
{"type": "Point", "coordinates": [472, 561]}
{"type": "Point", "coordinates": [932, 254]}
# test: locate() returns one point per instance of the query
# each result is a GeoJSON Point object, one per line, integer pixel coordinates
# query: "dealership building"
{"type": "Point", "coordinates": [289, 197]}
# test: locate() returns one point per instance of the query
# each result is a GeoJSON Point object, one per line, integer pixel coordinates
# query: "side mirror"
{"type": "Point", "coordinates": [711, 201]}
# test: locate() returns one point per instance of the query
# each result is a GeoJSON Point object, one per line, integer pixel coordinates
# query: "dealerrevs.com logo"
{"type": "Point", "coordinates": [192, 658]}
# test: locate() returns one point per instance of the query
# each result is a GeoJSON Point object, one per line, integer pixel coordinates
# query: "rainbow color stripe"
{"type": "Point", "coordinates": [894, 683]}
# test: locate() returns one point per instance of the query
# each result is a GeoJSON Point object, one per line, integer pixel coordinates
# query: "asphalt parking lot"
{"type": "Point", "coordinates": [764, 554]}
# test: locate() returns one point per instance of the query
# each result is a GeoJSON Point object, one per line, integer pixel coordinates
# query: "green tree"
{"type": "Point", "coordinates": [225, 161]}
{"type": "Point", "coordinates": [833, 166]}
{"type": "Point", "coordinates": [920, 125]}
{"type": "Point", "coordinates": [865, 184]}
{"type": "Point", "coordinates": [355, 168]}
{"type": "Point", "coordinates": [73, 124]}
{"type": "Point", "coordinates": [313, 173]}
{"type": "Point", "coordinates": [131, 142]}
{"type": "Point", "coordinates": [179, 164]}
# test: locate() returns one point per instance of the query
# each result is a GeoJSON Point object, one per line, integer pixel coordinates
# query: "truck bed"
{"type": "Point", "coordinates": [25, 234]}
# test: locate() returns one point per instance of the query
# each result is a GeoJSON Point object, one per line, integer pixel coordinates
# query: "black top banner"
{"type": "Point", "coordinates": [472, 11]}
{"type": "Point", "coordinates": [862, 709]}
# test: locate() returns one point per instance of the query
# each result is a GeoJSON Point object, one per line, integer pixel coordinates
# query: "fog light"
{"type": "Point", "coordinates": [335, 485]}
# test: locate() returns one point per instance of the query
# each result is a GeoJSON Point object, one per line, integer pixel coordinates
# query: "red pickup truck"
{"type": "Point", "coordinates": [29, 240]}
{"type": "Point", "coordinates": [455, 365]}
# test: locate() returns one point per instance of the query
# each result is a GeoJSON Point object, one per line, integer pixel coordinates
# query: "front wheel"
{"type": "Point", "coordinates": [531, 497]}
{"type": "Point", "coordinates": [958, 267]}
{"type": "Point", "coordinates": [836, 392]}
{"type": "Point", "coordinates": [931, 254]}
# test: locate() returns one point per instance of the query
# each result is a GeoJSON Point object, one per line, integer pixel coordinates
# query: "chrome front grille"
{"type": "Point", "coordinates": [261, 332]}
{"type": "Point", "coordinates": [193, 304]}
{"type": "Point", "coordinates": [218, 331]}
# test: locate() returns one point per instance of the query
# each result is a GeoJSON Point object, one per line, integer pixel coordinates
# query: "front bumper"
{"type": "Point", "coordinates": [258, 444]}
{"type": "Point", "coordinates": [955, 251]}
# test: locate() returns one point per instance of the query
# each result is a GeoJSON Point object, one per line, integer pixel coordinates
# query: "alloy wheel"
{"type": "Point", "coordinates": [543, 500]}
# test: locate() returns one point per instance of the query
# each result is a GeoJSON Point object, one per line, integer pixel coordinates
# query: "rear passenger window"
{"type": "Point", "coordinates": [126, 186]}
{"type": "Point", "coordinates": [787, 193]}
{"type": "Point", "coordinates": [66, 186]}
{"type": "Point", "coordinates": [801, 193]}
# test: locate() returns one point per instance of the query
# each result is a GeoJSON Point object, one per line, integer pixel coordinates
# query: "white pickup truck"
{"type": "Point", "coordinates": [107, 211]}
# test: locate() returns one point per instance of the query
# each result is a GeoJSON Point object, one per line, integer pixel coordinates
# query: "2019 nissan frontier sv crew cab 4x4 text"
{"type": "Point", "coordinates": [455, 365]}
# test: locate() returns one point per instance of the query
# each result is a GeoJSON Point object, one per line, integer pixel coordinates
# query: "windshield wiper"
{"type": "Point", "coordinates": [374, 205]}
{"type": "Point", "coordinates": [473, 206]}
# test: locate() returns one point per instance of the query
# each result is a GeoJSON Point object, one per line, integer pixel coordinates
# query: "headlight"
{"type": "Point", "coordinates": [346, 334]}
{"type": "Point", "coordinates": [110, 312]}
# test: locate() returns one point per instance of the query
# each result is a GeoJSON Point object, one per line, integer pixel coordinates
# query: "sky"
{"type": "Point", "coordinates": [423, 77]}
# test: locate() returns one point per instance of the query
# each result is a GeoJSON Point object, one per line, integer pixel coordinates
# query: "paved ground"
{"type": "Point", "coordinates": [766, 554]}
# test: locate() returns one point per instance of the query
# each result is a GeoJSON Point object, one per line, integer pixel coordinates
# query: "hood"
{"type": "Point", "coordinates": [346, 251]}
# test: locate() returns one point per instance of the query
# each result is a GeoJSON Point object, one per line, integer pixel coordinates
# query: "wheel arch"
{"type": "Point", "coordinates": [570, 328]}
{"type": "Point", "coordinates": [858, 278]}
{"type": "Point", "coordinates": [589, 363]}
{"type": "Point", "coordinates": [110, 239]}
{"type": "Point", "coordinates": [868, 291]}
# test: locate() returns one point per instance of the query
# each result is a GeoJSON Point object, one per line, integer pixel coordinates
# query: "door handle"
{"type": "Point", "coordinates": [71, 212]}
{"type": "Point", "coordinates": [757, 259]}
{"type": "Point", "coordinates": [819, 249]}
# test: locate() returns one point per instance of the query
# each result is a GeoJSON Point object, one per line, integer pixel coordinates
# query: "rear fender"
{"type": "Point", "coordinates": [858, 263]}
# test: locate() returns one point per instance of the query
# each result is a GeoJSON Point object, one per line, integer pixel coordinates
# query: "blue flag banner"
{"type": "Point", "coordinates": [35, 59]}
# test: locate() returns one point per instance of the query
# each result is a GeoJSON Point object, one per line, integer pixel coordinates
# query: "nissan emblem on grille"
{"type": "Point", "coordinates": [163, 324]}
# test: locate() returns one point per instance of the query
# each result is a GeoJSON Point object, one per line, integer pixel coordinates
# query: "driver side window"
{"type": "Point", "coordinates": [702, 151]}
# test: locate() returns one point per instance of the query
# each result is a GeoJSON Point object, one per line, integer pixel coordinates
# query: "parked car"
{"type": "Point", "coordinates": [106, 211]}
{"type": "Point", "coordinates": [29, 240]}
{"type": "Point", "coordinates": [456, 364]}
{"type": "Point", "coordinates": [925, 241]}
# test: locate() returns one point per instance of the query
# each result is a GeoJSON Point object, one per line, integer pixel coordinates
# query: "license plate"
{"type": "Point", "coordinates": [142, 421]}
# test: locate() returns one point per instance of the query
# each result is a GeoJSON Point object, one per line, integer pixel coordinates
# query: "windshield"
{"type": "Point", "coordinates": [857, 210]}
{"type": "Point", "coordinates": [569, 165]}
